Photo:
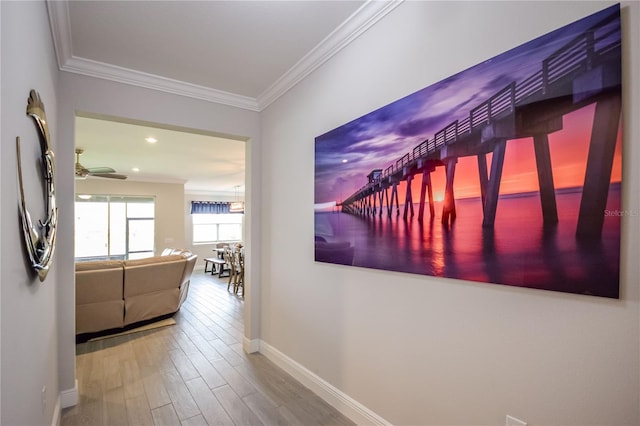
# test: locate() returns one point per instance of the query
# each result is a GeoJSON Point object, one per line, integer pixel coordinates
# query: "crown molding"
{"type": "Point", "coordinates": [60, 29]}
{"type": "Point", "coordinates": [361, 20]}
{"type": "Point", "coordinates": [150, 81]}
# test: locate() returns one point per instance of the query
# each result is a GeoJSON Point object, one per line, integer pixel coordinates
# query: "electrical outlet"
{"type": "Point", "coordinates": [512, 421]}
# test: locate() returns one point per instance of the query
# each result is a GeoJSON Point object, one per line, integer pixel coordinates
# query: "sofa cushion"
{"type": "Point", "coordinates": [93, 317]}
{"type": "Point", "coordinates": [147, 278]}
{"type": "Point", "coordinates": [99, 285]}
{"type": "Point", "coordinates": [150, 305]}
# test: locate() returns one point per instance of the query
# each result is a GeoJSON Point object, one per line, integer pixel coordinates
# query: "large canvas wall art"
{"type": "Point", "coordinates": [508, 172]}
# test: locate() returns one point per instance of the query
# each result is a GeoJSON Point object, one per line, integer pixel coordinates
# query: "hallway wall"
{"type": "Point", "coordinates": [29, 345]}
{"type": "Point", "coordinates": [423, 350]}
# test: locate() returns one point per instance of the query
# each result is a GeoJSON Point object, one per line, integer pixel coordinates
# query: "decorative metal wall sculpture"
{"type": "Point", "coordinates": [40, 240]}
{"type": "Point", "coordinates": [532, 137]}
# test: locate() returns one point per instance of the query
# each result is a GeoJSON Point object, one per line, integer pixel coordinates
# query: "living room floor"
{"type": "Point", "coordinates": [191, 373]}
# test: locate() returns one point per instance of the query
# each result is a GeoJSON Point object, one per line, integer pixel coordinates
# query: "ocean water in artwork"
{"type": "Point", "coordinates": [518, 251]}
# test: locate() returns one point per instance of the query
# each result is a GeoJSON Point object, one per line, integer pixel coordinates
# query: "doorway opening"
{"type": "Point", "coordinates": [173, 166]}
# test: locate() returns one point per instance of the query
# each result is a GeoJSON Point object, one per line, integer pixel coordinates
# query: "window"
{"type": "Point", "coordinates": [211, 228]}
{"type": "Point", "coordinates": [114, 227]}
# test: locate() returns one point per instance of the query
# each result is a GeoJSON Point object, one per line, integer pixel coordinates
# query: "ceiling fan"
{"type": "Point", "coordinates": [103, 172]}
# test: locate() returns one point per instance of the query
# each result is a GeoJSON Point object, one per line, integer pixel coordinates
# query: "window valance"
{"type": "Point", "coordinates": [210, 207]}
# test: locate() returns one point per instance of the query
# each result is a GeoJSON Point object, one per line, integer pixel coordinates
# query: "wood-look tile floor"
{"type": "Point", "coordinates": [191, 373]}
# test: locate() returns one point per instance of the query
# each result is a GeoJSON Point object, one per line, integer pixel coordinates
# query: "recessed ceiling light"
{"type": "Point", "coordinates": [151, 139]}
{"type": "Point", "coordinates": [135, 169]}
{"type": "Point", "coordinates": [84, 196]}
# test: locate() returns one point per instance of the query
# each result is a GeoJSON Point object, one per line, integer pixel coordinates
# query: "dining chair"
{"type": "Point", "coordinates": [239, 277]}
{"type": "Point", "coordinates": [229, 260]}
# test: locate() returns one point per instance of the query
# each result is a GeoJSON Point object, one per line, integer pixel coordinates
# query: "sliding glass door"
{"type": "Point", "coordinates": [114, 227]}
{"type": "Point", "coordinates": [139, 238]}
{"type": "Point", "coordinates": [92, 227]}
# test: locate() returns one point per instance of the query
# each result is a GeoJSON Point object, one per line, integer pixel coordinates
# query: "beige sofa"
{"type": "Point", "coordinates": [114, 294]}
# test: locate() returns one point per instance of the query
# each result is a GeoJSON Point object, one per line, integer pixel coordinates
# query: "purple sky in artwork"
{"type": "Point", "coordinates": [381, 137]}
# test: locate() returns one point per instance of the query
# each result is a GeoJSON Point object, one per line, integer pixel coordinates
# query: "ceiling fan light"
{"type": "Point", "coordinates": [103, 172]}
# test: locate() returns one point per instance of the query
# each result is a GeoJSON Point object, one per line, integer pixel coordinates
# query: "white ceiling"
{"type": "Point", "coordinates": [205, 164]}
{"type": "Point", "coordinates": [240, 47]}
{"type": "Point", "coordinates": [240, 53]}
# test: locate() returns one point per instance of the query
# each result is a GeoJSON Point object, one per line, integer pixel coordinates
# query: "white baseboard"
{"type": "Point", "coordinates": [251, 346]}
{"type": "Point", "coordinates": [69, 397]}
{"type": "Point", "coordinates": [55, 420]}
{"type": "Point", "coordinates": [342, 402]}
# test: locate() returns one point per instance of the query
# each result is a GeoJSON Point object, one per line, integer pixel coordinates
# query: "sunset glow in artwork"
{"type": "Point", "coordinates": [495, 174]}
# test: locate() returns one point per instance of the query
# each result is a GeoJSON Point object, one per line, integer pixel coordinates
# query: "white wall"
{"type": "Point", "coordinates": [423, 350]}
{"type": "Point", "coordinates": [169, 202]}
{"type": "Point", "coordinates": [0, 225]}
{"type": "Point", "coordinates": [28, 307]}
{"type": "Point", "coordinates": [80, 94]}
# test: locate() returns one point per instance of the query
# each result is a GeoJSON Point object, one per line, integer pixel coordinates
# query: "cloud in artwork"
{"type": "Point", "coordinates": [345, 155]}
